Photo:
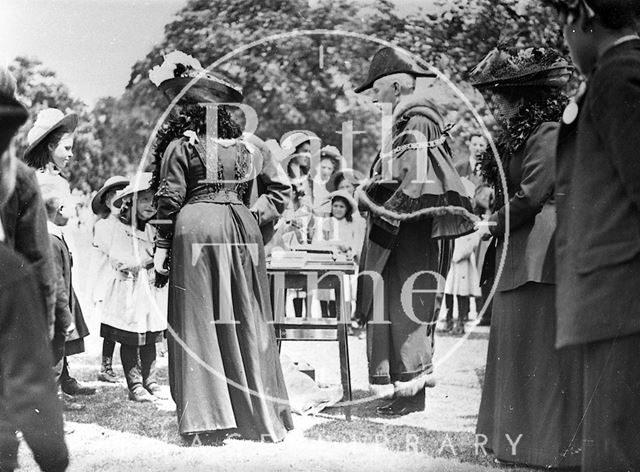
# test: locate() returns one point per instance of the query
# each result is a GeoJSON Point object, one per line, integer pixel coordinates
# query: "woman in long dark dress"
{"type": "Point", "coordinates": [531, 401]}
{"type": "Point", "coordinates": [225, 372]}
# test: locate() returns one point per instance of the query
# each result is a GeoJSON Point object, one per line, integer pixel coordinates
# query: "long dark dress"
{"type": "Point", "coordinates": [532, 392]}
{"type": "Point", "coordinates": [224, 366]}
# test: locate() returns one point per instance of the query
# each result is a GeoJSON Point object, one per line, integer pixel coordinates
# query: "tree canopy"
{"type": "Point", "coordinates": [296, 82]}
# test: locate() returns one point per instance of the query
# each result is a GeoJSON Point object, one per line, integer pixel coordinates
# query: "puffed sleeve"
{"type": "Point", "coordinates": [537, 182]}
{"type": "Point", "coordinates": [172, 189]}
{"type": "Point", "coordinates": [273, 186]}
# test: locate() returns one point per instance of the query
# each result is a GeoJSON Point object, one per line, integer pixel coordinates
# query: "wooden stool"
{"type": "Point", "coordinates": [297, 329]}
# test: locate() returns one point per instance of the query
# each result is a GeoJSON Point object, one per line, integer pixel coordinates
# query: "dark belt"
{"type": "Point", "coordinates": [229, 197]}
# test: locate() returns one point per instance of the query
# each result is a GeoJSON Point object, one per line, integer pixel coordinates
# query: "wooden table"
{"type": "Point", "coordinates": [308, 278]}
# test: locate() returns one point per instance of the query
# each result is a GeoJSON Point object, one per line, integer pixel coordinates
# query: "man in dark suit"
{"type": "Point", "coordinates": [598, 232]}
{"type": "Point", "coordinates": [28, 400]}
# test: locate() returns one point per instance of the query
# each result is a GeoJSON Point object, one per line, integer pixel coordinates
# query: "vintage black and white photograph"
{"type": "Point", "coordinates": [320, 235]}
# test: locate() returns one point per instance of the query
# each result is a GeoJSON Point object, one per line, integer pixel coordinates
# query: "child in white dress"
{"type": "Point", "coordinates": [134, 312]}
{"type": "Point", "coordinates": [102, 206]}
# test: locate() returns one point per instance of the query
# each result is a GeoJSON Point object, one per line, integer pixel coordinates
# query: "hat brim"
{"type": "Point", "coordinates": [555, 76]}
{"type": "Point", "coordinates": [68, 123]}
{"type": "Point", "coordinates": [97, 202]}
{"type": "Point", "coordinates": [339, 194]}
{"type": "Point", "coordinates": [202, 90]}
{"type": "Point", "coordinates": [415, 73]}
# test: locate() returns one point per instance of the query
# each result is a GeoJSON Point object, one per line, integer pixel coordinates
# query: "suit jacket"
{"type": "Point", "coordinates": [598, 198]}
{"type": "Point", "coordinates": [25, 224]}
{"type": "Point", "coordinates": [67, 306]}
{"type": "Point", "coordinates": [28, 400]}
{"type": "Point", "coordinates": [530, 250]}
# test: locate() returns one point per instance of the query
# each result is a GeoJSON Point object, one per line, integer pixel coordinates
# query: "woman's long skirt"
{"type": "Point", "coordinates": [531, 404]}
{"type": "Point", "coordinates": [224, 364]}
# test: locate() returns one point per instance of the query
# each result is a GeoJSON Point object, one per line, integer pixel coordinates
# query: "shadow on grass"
{"type": "Point", "coordinates": [364, 407]}
{"type": "Point", "coordinates": [459, 446]}
{"type": "Point", "coordinates": [111, 409]}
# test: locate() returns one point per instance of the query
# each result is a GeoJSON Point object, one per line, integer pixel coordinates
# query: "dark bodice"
{"type": "Point", "coordinates": [233, 166]}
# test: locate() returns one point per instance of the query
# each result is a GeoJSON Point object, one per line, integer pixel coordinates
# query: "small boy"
{"type": "Point", "coordinates": [65, 319]}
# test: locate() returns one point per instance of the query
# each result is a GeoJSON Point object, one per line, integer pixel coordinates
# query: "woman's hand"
{"type": "Point", "coordinates": [482, 227]}
{"type": "Point", "coordinates": [159, 259]}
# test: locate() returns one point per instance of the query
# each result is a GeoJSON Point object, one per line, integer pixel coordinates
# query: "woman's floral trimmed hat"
{"type": "Point", "coordinates": [531, 67]}
{"type": "Point", "coordinates": [180, 71]}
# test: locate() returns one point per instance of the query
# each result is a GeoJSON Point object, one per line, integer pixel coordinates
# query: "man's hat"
{"type": "Point", "coordinates": [48, 121]}
{"type": "Point", "coordinates": [389, 61]}
{"type": "Point", "coordinates": [117, 182]}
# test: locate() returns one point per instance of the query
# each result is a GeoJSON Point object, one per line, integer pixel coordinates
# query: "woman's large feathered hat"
{"type": "Point", "coordinates": [530, 67]}
{"type": "Point", "coordinates": [179, 72]}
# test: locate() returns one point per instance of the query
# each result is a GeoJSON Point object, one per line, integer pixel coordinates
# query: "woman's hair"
{"type": "Point", "coordinates": [349, 214]}
{"type": "Point", "coordinates": [40, 155]}
{"type": "Point", "coordinates": [105, 210]}
{"type": "Point", "coordinates": [616, 14]}
{"type": "Point", "coordinates": [190, 118]}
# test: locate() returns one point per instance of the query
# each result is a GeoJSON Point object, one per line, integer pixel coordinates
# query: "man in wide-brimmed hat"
{"type": "Point", "coordinates": [28, 400]}
{"type": "Point", "coordinates": [25, 226]}
{"type": "Point", "coordinates": [598, 232]}
{"type": "Point", "coordinates": [410, 207]}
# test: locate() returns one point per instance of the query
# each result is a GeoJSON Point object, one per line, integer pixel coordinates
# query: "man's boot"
{"type": "Point", "coordinates": [71, 386]}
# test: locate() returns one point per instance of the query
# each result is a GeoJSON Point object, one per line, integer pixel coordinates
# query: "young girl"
{"type": "Point", "coordinates": [102, 206]}
{"type": "Point", "coordinates": [49, 152]}
{"type": "Point", "coordinates": [134, 313]}
{"type": "Point", "coordinates": [346, 233]}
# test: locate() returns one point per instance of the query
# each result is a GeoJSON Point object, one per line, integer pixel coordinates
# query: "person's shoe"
{"type": "Point", "coordinates": [106, 373]}
{"type": "Point", "coordinates": [155, 390]}
{"type": "Point", "coordinates": [69, 403]}
{"type": "Point", "coordinates": [458, 330]}
{"type": "Point", "coordinates": [73, 387]}
{"type": "Point", "coordinates": [448, 327]}
{"type": "Point", "coordinates": [140, 394]}
{"type": "Point", "coordinates": [400, 407]}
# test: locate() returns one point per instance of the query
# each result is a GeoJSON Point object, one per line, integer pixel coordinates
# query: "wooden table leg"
{"type": "Point", "coordinates": [279, 304]}
{"type": "Point", "coordinates": [343, 347]}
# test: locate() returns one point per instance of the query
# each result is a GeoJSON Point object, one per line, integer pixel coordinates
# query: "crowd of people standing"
{"type": "Point", "coordinates": [182, 255]}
